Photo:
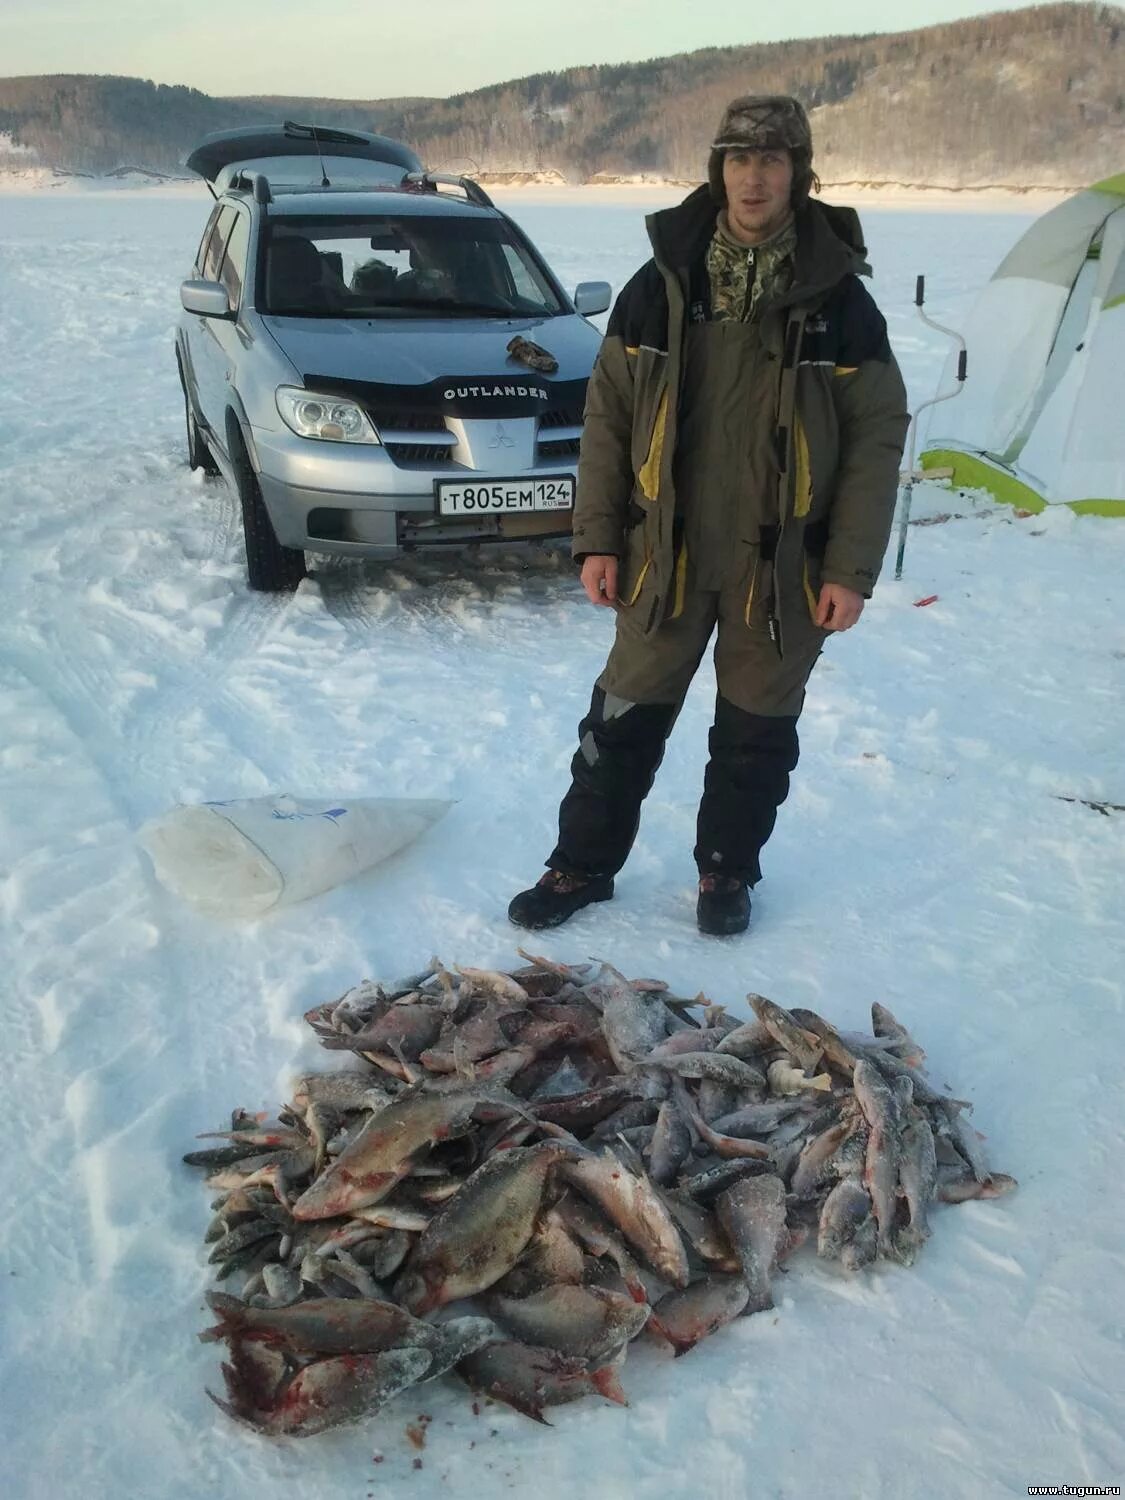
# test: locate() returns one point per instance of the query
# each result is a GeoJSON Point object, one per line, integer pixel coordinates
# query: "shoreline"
{"type": "Point", "coordinates": [988, 197]}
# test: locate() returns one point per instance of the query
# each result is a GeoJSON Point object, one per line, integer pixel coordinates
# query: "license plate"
{"type": "Point", "coordinates": [499, 496]}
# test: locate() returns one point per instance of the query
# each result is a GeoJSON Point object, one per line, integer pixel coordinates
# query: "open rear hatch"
{"type": "Point", "coordinates": [292, 155]}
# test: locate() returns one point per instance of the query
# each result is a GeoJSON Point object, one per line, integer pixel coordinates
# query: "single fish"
{"type": "Point", "coordinates": [635, 1112]}
{"type": "Point", "coordinates": [716, 1099]}
{"type": "Point", "coordinates": [727, 1146]}
{"type": "Point", "coordinates": [633, 1022]}
{"type": "Point", "coordinates": [633, 1205]}
{"type": "Point", "coordinates": [581, 1111]}
{"type": "Point", "coordinates": [527, 1378]}
{"type": "Point", "coordinates": [965, 1189]}
{"type": "Point", "coordinates": [255, 1376]}
{"type": "Point", "coordinates": [884, 1147]}
{"type": "Point", "coordinates": [341, 1091]}
{"type": "Point", "coordinates": [747, 1041]}
{"type": "Point", "coordinates": [851, 1159]}
{"type": "Point", "coordinates": [893, 1067]}
{"type": "Point", "coordinates": [282, 1284]}
{"type": "Point", "coordinates": [814, 1165]}
{"type": "Point", "coordinates": [917, 1173]}
{"type": "Point", "coordinates": [756, 1119]}
{"type": "Point", "coordinates": [884, 1024]}
{"type": "Point", "coordinates": [590, 1229]}
{"type": "Point", "coordinates": [688, 1040]}
{"type": "Point", "coordinates": [753, 1215]}
{"type": "Point", "coordinates": [405, 1029]}
{"type": "Point", "coordinates": [707, 1184]}
{"type": "Point", "coordinates": [835, 1049]}
{"type": "Point", "coordinates": [967, 1141]}
{"type": "Point", "coordinates": [480, 1235]}
{"type": "Point", "coordinates": [455, 1340]}
{"type": "Point", "coordinates": [862, 1249]}
{"type": "Point", "coordinates": [671, 1143]}
{"type": "Point", "coordinates": [492, 982]}
{"type": "Point", "coordinates": [700, 1230]}
{"type": "Point", "coordinates": [384, 1151]}
{"type": "Point", "coordinates": [332, 1391]}
{"type": "Point", "coordinates": [322, 1325]}
{"type": "Point", "coordinates": [686, 1317]}
{"type": "Point", "coordinates": [718, 1067]}
{"type": "Point", "coordinates": [803, 1047]}
{"type": "Point", "coordinates": [845, 1209]}
{"type": "Point", "coordinates": [589, 1323]}
{"type": "Point", "coordinates": [565, 1081]}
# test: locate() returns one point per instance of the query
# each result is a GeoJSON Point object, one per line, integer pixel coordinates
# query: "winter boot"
{"type": "Point", "coordinates": [557, 897]}
{"type": "Point", "coordinates": [723, 907]}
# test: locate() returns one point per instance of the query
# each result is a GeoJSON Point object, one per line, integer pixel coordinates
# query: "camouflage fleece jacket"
{"type": "Point", "coordinates": [829, 378]}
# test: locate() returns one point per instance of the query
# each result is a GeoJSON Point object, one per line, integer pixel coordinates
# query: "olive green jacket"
{"type": "Point", "coordinates": [830, 386]}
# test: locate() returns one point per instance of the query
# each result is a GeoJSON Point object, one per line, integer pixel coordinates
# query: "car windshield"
{"type": "Point", "coordinates": [414, 265]}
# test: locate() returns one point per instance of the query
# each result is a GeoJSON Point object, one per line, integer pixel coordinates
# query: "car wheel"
{"type": "Point", "coordinates": [270, 567]}
{"type": "Point", "coordinates": [198, 453]}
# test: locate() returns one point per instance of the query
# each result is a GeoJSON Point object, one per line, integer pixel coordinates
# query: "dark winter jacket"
{"type": "Point", "coordinates": [827, 385]}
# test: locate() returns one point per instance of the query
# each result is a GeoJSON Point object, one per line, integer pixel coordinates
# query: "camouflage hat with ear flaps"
{"type": "Point", "coordinates": [761, 122]}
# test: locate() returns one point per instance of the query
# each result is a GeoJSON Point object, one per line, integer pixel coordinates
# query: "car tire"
{"type": "Point", "coordinates": [270, 567]}
{"type": "Point", "coordinates": [198, 453]}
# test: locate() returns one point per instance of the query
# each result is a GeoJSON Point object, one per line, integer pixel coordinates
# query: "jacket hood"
{"type": "Point", "coordinates": [829, 242]}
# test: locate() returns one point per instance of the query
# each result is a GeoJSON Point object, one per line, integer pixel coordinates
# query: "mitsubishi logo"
{"type": "Point", "coordinates": [501, 440]}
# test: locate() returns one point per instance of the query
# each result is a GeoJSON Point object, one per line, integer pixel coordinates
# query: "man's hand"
{"type": "Point", "coordinates": [838, 608]}
{"type": "Point", "coordinates": [599, 578]}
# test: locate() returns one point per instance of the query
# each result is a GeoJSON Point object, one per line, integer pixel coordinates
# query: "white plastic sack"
{"type": "Point", "coordinates": [244, 858]}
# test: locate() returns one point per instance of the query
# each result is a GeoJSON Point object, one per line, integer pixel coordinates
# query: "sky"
{"type": "Point", "coordinates": [452, 46]}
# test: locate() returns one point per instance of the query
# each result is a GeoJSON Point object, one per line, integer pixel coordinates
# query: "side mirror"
{"type": "Point", "coordinates": [592, 297]}
{"type": "Point", "coordinates": [208, 298]}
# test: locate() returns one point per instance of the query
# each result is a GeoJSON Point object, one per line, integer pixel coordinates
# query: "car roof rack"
{"type": "Point", "coordinates": [255, 183]}
{"type": "Point", "coordinates": [427, 182]}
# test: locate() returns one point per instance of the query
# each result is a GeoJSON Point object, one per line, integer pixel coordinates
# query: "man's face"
{"type": "Point", "coordinates": [758, 184]}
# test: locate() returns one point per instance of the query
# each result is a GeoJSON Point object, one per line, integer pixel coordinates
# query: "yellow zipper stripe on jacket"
{"type": "Point", "coordinates": [802, 495]}
{"type": "Point", "coordinates": [648, 475]}
{"type": "Point", "coordinates": [636, 594]}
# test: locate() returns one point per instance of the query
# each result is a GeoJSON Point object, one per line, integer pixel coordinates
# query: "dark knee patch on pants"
{"type": "Point", "coordinates": [746, 781]}
{"type": "Point", "coordinates": [620, 746]}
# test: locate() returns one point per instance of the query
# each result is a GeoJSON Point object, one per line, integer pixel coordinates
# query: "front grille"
{"type": "Point", "coordinates": [564, 417]}
{"type": "Point", "coordinates": [423, 423]}
{"type": "Point", "coordinates": [418, 453]}
{"type": "Point", "coordinates": [565, 445]}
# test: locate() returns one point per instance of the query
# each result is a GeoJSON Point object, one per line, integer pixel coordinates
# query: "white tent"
{"type": "Point", "coordinates": [1042, 418]}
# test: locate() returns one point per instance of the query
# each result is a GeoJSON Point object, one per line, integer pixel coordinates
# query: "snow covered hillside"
{"type": "Point", "coordinates": [932, 856]}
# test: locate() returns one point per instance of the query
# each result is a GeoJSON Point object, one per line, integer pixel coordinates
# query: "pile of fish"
{"type": "Point", "coordinates": [565, 1159]}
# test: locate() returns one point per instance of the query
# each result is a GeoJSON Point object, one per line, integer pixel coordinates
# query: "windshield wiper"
{"type": "Point", "coordinates": [447, 305]}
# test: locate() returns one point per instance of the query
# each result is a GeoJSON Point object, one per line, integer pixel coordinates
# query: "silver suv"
{"type": "Point", "coordinates": [376, 358]}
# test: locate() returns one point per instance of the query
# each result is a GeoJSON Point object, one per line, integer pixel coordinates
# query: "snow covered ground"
{"type": "Point", "coordinates": [925, 858]}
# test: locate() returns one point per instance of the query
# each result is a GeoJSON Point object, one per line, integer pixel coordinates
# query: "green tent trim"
{"type": "Point", "coordinates": [976, 473]}
{"type": "Point", "coordinates": [1110, 185]}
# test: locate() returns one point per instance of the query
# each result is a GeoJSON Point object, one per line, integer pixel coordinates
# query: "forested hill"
{"type": "Point", "coordinates": [1033, 96]}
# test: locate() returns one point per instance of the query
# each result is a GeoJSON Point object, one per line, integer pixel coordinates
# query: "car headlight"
{"type": "Point", "coordinates": [326, 417]}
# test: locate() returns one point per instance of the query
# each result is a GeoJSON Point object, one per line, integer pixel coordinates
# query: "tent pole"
{"type": "Point", "coordinates": [911, 474]}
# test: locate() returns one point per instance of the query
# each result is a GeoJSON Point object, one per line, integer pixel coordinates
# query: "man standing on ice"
{"type": "Point", "coordinates": [744, 429]}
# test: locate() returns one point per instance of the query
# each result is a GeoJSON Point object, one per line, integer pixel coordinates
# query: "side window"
{"type": "Point", "coordinates": [212, 218]}
{"type": "Point", "coordinates": [213, 258]}
{"type": "Point", "coordinates": [233, 271]}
